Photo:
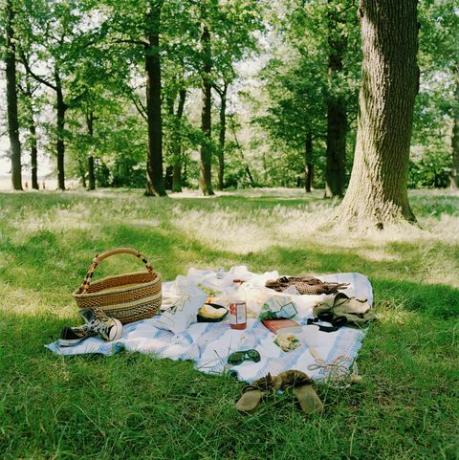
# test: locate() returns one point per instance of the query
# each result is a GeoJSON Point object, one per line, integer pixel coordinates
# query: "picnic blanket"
{"type": "Point", "coordinates": [175, 335]}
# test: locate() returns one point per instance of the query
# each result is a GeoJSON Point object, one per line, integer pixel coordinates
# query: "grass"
{"type": "Point", "coordinates": [133, 406]}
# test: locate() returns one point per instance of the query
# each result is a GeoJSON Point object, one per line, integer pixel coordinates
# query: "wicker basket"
{"type": "Point", "coordinates": [128, 297]}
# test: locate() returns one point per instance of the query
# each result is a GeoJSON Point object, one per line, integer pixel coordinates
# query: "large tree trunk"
{"type": "Point", "coordinates": [455, 143]}
{"type": "Point", "coordinates": [308, 163]}
{"type": "Point", "coordinates": [91, 168]}
{"type": "Point", "coordinates": [222, 137]}
{"type": "Point", "coordinates": [12, 99]}
{"type": "Point", "coordinates": [336, 107]}
{"type": "Point", "coordinates": [205, 180]}
{"type": "Point", "coordinates": [177, 172]}
{"type": "Point", "coordinates": [61, 108]}
{"type": "Point", "coordinates": [377, 192]}
{"type": "Point", "coordinates": [155, 181]}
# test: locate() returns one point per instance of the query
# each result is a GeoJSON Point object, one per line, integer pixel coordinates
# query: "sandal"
{"type": "Point", "coordinates": [298, 381]}
{"type": "Point", "coordinates": [250, 399]}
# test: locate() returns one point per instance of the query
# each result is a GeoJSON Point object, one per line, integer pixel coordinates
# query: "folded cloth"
{"type": "Point", "coordinates": [181, 305]}
{"type": "Point", "coordinates": [355, 311]}
{"type": "Point", "coordinates": [305, 285]}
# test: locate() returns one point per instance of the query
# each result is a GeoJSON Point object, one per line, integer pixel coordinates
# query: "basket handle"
{"type": "Point", "coordinates": [100, 257]}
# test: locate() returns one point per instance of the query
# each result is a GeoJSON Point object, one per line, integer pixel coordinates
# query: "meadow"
{"type": "Point", "coordinates": [133, 406]}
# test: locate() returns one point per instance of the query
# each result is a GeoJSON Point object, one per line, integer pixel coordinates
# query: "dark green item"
{"type": "Point", "coordinates": [238, 357]}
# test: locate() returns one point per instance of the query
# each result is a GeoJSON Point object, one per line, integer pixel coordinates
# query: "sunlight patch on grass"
{"type": "Point", "coordinates": [28, 301]}
{"type": "Point", "coordinates": [223, 230]}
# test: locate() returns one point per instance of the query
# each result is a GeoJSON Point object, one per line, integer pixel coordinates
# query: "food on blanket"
{"type": "Point", "coordinates": [278, 307]}
{"type": "Point", "coordinates": [287, 342]}
{"type": "Point", "coordinates": [211, 313]}
{"type": "Point", "coordinates": [275, 324]}
{"type": "Point", "coordinates": [209, 291]}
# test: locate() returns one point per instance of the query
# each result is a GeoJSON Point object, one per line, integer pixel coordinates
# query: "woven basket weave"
{"type": "Point", "coordinates": [128, 297]}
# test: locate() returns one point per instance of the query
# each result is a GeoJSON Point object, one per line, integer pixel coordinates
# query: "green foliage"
{"type": "Point", "coordinates": [436, 103]}
{"type": "Point", "coordinates": [96, 48]}
{"type": "Point", "coordinates": [297, 82]}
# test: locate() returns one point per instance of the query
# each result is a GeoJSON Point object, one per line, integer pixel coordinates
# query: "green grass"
{"type": "Point", "coordinates": [133, 406]}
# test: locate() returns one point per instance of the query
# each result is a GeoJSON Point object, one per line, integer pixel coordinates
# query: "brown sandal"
{"type": "Point", "coordinates": [298, 381]}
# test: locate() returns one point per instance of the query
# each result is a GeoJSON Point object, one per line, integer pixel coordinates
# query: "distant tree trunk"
{"type": "Point", "coordinates": [33, 135]}
{"type": "Point", "coordinates": [61, 108]}
{"type": "Point", "coordinates": [205, 180]}
{"type": "Point", "coordinates": [336, 108]}
{"type": "Point", "coordinates": [91, 168]}
{"type": "Point", "coordinates": [455, 143]}
{"type": "Point", "coordinates": [82, 171]}
{"type": "Point", "coordinates": [12, 99]}
{"type": "Point", "coordinates": [177, 173]}
{"type": "Point", "coordinates": [377, 192]}
{"type": "Point", "coordinates": [155, 181]}
{"type": "Point", "coordinates": [308, 163]}
{"type": "Point", "coordinates": [241, 153]}
{"type": "Point", "coordinates": [221, 137]}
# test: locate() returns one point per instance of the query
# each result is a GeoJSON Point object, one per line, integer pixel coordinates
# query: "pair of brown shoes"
{"type": "Point", "coordinates": [297, 381]}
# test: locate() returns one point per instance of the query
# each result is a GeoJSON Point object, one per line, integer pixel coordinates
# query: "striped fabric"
{"type": "Point", "coordinates": [209, 344]}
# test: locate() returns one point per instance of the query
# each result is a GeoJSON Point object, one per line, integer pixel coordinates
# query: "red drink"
{"type": "Point", "coordinates": [238, 315]}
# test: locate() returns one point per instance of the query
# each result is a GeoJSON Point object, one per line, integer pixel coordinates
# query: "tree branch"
{"type": "Point", "coordinates": [138, 104]}
{"type": "Point", "coordinates": [131, 42]}
{"type": "Point", "coordinates": [39, 78]}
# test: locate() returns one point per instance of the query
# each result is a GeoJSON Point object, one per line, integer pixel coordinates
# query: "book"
{"type": "Point", "coordinates": [275, 324]}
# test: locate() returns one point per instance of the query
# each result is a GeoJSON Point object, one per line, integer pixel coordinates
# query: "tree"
{"type": "Point", "coordinates": [455, 139]}
{"type": "Point", "coordinates": [153, 71]}
{"type": "Point", "coordinates": [436, 128]}
{"type": "Point", "coordinates": [296, 106]}
{"type": "Point", "coordinates": [28, 90]}
{"type": "Point", "coordinates": [336, 102]}
{"type": "Point", "coordinates": [377, 192]}
{"type": "Point", "coordinates": [50, 33]}
{"type": "Point", "coordinates": [223, 93]}
{"type": "Point", "coordinates": [205, 179]}
{"type": "Point", "coordinates": [12, 95]}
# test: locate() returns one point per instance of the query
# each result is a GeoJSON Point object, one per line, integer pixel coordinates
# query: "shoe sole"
{"type": "Point", "coordinates": [116, 331]}
{"type": "Point", "coordinates": [69, 342]}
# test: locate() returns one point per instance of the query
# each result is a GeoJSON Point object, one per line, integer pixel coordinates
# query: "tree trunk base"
{"type": "Point", "coordinates": [377, 214]}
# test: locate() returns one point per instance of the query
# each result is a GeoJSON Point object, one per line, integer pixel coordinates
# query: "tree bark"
{"type": "Point", "coordinates": [91, 168]}
{"type": "Point", "coordinates": [12, 99]}
{"type": "Point", "coordinates": [455, 143]}
{"type": "Point", "coordinates": [155, 181]}
{"type": "Point", "coordinates": [336, 109]}
{"type": "Point", "coordinates": [222, 137]}
{"type": "Point", "coordinates": [33, 153]}
{"type": "Point", "coordinates": [308, 163]}
{"type": "Point", "coordinates": [241, 153]}
{"type": "Point", "coordinates": [177, 172]}
{"type": "Point", "coordinates": [377, 192]}
{"type": "Point", "coordinates": [205, 180]}
{"type": "Point", "coordinates": [33, 135]}
{"type": "Point", "coordinates": [61, 108]}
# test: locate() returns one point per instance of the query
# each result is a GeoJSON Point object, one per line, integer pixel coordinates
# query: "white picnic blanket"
{"type": "Point", "coordinates": [176, 335]}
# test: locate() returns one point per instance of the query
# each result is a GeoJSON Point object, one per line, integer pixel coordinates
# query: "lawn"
{"type": "Point", "coordinates": [133, 406]}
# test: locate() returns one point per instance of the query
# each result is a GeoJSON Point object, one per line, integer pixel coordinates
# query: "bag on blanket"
{"type": "Point", "coordinates": [128, 297]}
